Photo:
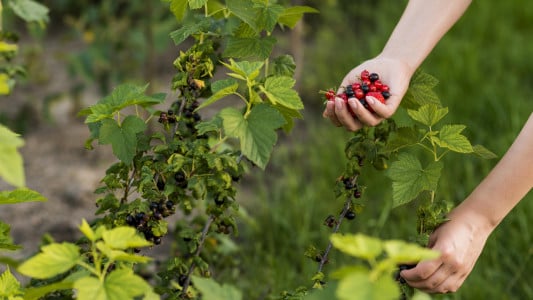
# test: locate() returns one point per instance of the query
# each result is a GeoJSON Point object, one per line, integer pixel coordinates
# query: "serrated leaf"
{"type": "Point", "coordinates": [267, 14]}
{"type": "Point", "coordinates": [121, 284]}
{"type": "Point", "coordinates": [359, 285]}
{"type": "Point", "coordinates": [11, 164]}
{"type": "Point", "coordinates": [211, 289]}
{"type": "Point", "coordinates": [120, 255]}
{"type": "Point", "coordinates": [289, 115]}
{"type": "Point", "coordinates": [29, 10]}
{"type": "Point", "coordinates": [244, 10]}
{"type": "Point", "coordinates": [357, 245]}
{"type": "Point", "coordinates": [409, 178]}
{"type": "Point", "coordinates": [123, 237]}
{"type": "Point", "coordinates": [20, 195]}
{"type": "Point", "coordinates": [5, 88]}
{"type": "Point", "coordinates": [220, 89]}
{"type": "Point", "coordinates": [256, 132]}
{"type": "Point", "coordinates": [9, 285]}
{"type": "Point", "coordinates": [123, 138]}
{"type": "Point", "coordinates": [291, 15]}
{"type": "Point", "coordinates": [283, 65]}
{"type": "Point", "coordinates": [195, 4]}
{"type": "Point", "coordinates": [420, 91]}
{"type": "Point", "coordinates": [6, 243]}
{"type": "Point", "coordinates": [86, 229]}
{"type": "Point", "coordinates": [278, 90]}
{"type": "Point", "coordinates": [428, 114]}
{"type": "Point", "coordinates": [178, 8]}
{"type": "Point", "coordinates": [402, 252]}
{"type": "Point", "coordinates": [193, 26]}
{"type": "Point", "coordinates": [483, 152]}
{"type": "Point", "coordinates": [36, 293]}
{"type": "Point", "coordinates": [215, 124]}
{"type": "Point", "coordinates": [249, 47]}
{"type": "Point", "coordinates": [450, 137]}
{"type": "Point", "coordinates": [401, 138]}
{"type": "Point", "coordinates": [53, 260]}
{"type": "Point", "coordinates": [244, 69]}
{"type": "Point", "coordinates": [122, 96]}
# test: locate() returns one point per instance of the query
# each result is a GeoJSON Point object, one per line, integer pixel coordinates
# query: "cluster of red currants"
{"type": "Point", "coordinates": [369, 85]}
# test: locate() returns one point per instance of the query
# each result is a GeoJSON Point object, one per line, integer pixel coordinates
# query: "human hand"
{"type": "Point", "coordinates": [394, 73]}
{"type": "Point", "coordinates": [460, 242]}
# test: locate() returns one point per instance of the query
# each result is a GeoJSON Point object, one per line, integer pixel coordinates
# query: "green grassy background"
{"type": "Point", "coordinates": [485, 70]}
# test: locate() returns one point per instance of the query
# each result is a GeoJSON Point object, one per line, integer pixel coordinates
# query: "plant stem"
{"type": "Point", "coordinates": [324, 257]}
{"type": "Point", "coordinates": [197, 253]}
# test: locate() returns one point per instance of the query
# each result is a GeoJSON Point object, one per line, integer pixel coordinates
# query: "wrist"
{"type": "Point", "coordinates": [406, 63]}
{"type": "Point", "coordinates": [479, 221]}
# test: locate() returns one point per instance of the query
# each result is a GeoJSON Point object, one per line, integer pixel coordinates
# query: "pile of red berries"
{"type": "Point", "coordinates": [369, 85]}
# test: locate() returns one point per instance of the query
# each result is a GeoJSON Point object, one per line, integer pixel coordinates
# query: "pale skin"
{"type": "Point", "coordinates": [461, 239]}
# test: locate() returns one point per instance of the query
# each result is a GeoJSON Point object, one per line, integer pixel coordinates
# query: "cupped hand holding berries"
{"type": "Point", "coordinates": [395, 74]}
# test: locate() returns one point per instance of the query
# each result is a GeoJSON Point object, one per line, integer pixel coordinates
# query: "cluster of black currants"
{"type": "Point", "coordinates": [141, 220]}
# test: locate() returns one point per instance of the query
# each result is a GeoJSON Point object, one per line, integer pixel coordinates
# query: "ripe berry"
{"type": "Point", "coordinates": [350, 215]}
{"type": "Point", "coordinates": [376, 95]}
{"type": "Point", "coordinates": [385, 94]}
{"type": "Point", "coordinates": [330, 95]}
{"type": "Point", "coordinates": [330, 221]}
{"type": "Point", "coordinates": [160, 184]}
{"type": "Point", "coordinates": [348, 183]}
{"type": "Point", "coordinates": [385, 88]}
{"type": "Point", "coordinates": [372, 88]}
{"type": "Point", "coordinates": [130, 220]}
{"type": "Point", "coordinates": [373, 77]}
{"type": "Point", "coordinates": [365, 88]}
{"type": "Point", "coordinates": [357, 193]}
{"type": "Point", "coordinates": [356, 86]}
{"type": "Point", "coordinates": [359, 94]}
{"type": "Point", "coordinates": [154, 205]}
{"type": "Point", "coordinates": [157, 240]}
{"type": "Point", "coordinates": [169, 205]}
{"type": "Point", "coordinates": [349, 91]}
{"type": "Point", "coordinates": [378, 84]}
{"type": "Point", "coordinates": [343, 96]}
{"type": "Point", "coordinates": [365, 74]}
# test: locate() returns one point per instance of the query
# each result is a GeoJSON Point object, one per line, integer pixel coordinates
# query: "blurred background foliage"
{"type": "Point", "coordinates": [485, 72]}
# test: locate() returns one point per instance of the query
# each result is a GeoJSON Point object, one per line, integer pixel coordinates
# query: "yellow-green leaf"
{"type": "Point", "coordinates": [123, 238]}
{"type": "Point", "coordinates": [53, 260]}
{"type": "Point", "coordinates": [358, 245]}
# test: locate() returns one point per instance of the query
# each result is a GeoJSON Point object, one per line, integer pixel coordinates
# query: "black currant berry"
{"type": "Point", "coordinates": [350, 215]}
{"type": "Point", "coordinates": [158, 215]}
{"type": "Point", "coordinates": [169, 205]}
{"type": "Point", "coordinates": [357, 194]}
{"type": "Point", "coordinates": [154, 205]}
{"type": "Point", "coordinates": [365, 88]}
{"type": "Point", "coordinates": [373, 77]}
{"type": "Point", "coordinates": [348, 183]}
{"type": "Point", "coordinates": [130, 220]}
{"type": "Point", "coordinates": [160, 185]}
{"type": "Point", "coordinates": [170, 112]}
{"type": "Point", "coordinates": [385, 95]}
{"type": "Point", "coordinates": [349, 91]}
{"type": "Point", "coordinates": [219, 200]}
{"type": "Point", "coordinates": [157, 240]}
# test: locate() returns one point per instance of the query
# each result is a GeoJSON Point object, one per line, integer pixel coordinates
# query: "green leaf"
{"type": "Point", "coordinates": [420, 91]}
{"type": "Point", "coordinates": [211, 289]}
{"type": "Point", "coordinates": [178, 8]}
{"type": "Point", "coordinates": [9, 285]}
{"type": "Point", "coordinates": [428, 114]}
{"type": "Point", "coordinates": [220, 89]}
{"type": "Point", "coordinates": [358, 245]}
{"type": "Point", "coordinates": [483, 152]}
{"type": "Point", "coordinates": [5, 88]}
{"type": "Point", "coordinates": [119, 255]}
{"type": "Point", "coordinates": [244, 69]}
{"type": "Point", "coordinates": [121, 284]}
{"type": "Point", "coordinates": [283, 65]}
{"type": "Point", "coordinates": [11, 165]}
{"type": "Point", "coordinates": [123, 138]}
{"type": "Point", "coordinates": [29, 10]}
{"type": "Point", "coordinates": [401, 138]}
{"type": "Point", "coordinates": [53, 260]}
{"type": "Point", "coordinates": [20, 195]}
{"type": "Point", "coordinates": [278, 90]}
{"type": "Point", "coordinates": [86, 229]}
{"type": "Point", "coordinates": [6, 243]}
{"type": "Point", "coordinates": [36, 293]}
{"type": "Point", "coordinates": [450, 137]}
{"type": "Point", "coordinates": [403, 252]}
{"type": "Point", "coordinates": [244, 10]}
{"type": "Point", "coordinates": [193, 26]}
{"type": "Point", "coordinates": [195, 4]}
{"type": "Point", "coordinates": [409, 178]}
{"type": "Point", "coordinates": [358, 285]}
{"type": "Point", "coordinates": [249, 47]}
{"type": "Point", "coordinates": [122, 96]}
{"type": "Point", "coordinates": [123, 238]}
{"type": "Point", "coordinates": [291, 15]}
{"type": "Point", "coordinates": [267, 14]}
{"type": "Point", "coordinates": [256, 132]}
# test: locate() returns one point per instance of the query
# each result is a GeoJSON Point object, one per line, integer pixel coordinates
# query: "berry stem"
{"type": "Point", "coordinates": [201, 242]}
{"type": "Point", "coordinates": [345, 209]}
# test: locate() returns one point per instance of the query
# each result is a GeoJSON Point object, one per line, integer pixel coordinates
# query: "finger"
{"type": "Point", "coordinates": [422, 271]}
{"type": "Point", "coordinates": [344, 116]}
{"type": "Point", "coordinates": [449, 285]}
{"type": "Point", "coordinates": [435, 281]}
{"type": "Point", "coordinates": [383, 110]}
{"type": "Point", "coordinates": [329, 113]}
{"type": "Point", "coordinates": [365, 116]}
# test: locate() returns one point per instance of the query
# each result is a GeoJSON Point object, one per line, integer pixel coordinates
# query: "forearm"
{"type": "Point", "coordinates": [421, 26]}
{"type": "Point", "coordinates": [508, 182]}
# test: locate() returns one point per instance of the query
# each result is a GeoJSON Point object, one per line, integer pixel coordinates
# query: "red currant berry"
{"type": "Point", "coordinates": [364, 74]}
{"type": "Point", "coordinates": [359, 94]}
{"type": "Point", "coordinates": [385, 88]}
{"type": "Point", "coordinates": [372, 88]}
{"type": "Point", "coordinates": [356, 86]}
{"type": "Point", "coordinates": [330, 95]}
{"type": "Point", "coordinates": [378, 84]}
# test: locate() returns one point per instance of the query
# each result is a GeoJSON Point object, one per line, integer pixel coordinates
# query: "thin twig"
{"type": "Point", "coordinates": [197, 253]}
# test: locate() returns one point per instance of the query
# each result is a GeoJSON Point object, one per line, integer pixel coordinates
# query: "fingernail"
{"type": "Point", "coordinates": [338, 104]}
{"type": "Point", "coordinates": [353, 103]}
{"type": "Point", "coordinates": [370, 100]}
